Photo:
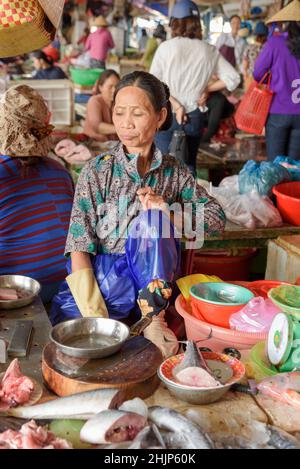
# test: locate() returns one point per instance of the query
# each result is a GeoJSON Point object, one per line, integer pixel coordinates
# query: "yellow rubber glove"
{"type": "Point", "coordinates": [86, 293]}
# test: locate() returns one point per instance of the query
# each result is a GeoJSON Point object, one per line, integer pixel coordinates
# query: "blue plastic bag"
{"type": "Point", "coordinates": [262, 177]}
{"type": "Point", "coordinates": [292, 166]}
{"type": "Point", "coordinates": [149, 255]}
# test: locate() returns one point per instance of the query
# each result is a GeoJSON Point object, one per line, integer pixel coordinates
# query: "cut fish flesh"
{"type": "Point", "coordinates": [195, 376]}
{"type": "Point", "coordinates": [112, 426]}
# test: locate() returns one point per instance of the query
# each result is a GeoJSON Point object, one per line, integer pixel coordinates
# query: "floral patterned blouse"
{"type": "Point", "coordinates": [108, 186]}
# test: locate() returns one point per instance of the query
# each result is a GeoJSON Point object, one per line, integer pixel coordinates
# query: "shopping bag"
{"type": "Point", "coordinates": [253, 110]}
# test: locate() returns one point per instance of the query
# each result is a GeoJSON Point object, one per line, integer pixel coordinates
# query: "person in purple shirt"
{"type": "Point", "coordinates": [281, 56]}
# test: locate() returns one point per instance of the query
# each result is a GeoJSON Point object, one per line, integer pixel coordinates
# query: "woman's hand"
{"type": "Point", "coordinates": [180, 115]}
{"type": "Point", "coordinates": [203, 99]}
{"type": "Point", "coordinates": [150, 200]}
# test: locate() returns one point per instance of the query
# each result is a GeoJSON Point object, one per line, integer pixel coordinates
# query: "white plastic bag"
{"type": "Point", "coordinates": [248, 210]}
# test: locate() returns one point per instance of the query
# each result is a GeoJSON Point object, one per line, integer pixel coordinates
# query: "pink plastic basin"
{"type": "Point", "coordinates": [197, 329]}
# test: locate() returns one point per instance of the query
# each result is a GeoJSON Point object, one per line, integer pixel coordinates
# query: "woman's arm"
{"type": "Point", "coordinates": [228, 77]}
{"type": "Point", "coordinates": [204, 215]}
{"type": "Point", "coordinates": [263, 62]}
{"type": "Point", "coordinates": [80, 260]}
{"type": "Point", "coordinates": [218, 85]}
{"type": "Point", "coordinates": [106, 129]}
{"type": "Point", "coordinates": [245, 67]}
{"type": "Point", "coordinates": [94, 126]}
{"type": "Point", "coordinates": [178, 110]}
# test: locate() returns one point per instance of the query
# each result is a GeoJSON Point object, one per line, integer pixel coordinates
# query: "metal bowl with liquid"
{"type": "Point", "coordinates": [90, 337]}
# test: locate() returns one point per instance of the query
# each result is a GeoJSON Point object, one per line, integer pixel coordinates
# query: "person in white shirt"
{"type": "Point", "coordinates": [231, 45]}
{"type": "Point", "coordinates": [188, 66]}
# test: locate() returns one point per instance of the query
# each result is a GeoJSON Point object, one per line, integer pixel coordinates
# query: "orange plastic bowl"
{"type": "Point", "coordinates": [262, 287]}
{"type": "Point", "coordinates": [215, 312]}
{"type": "Point", "coordinates": [288, 201]}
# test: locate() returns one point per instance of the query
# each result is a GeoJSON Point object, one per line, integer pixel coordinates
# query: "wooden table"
{"type": "Point", "coordinates": [236, 236]}
{"type": "Point", "coordinates": [36, 312]}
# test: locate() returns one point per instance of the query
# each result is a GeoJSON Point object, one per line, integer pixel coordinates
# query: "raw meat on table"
{"type": "Point", "coordinates": [8, 294]}
{"type": "Point", "coordinates": [15, 388]}
{"type": "Point", "coordinates": [31, 436]}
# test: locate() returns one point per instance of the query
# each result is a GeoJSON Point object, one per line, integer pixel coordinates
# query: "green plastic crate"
{"type": "Point", "coordinates": [85, 77]}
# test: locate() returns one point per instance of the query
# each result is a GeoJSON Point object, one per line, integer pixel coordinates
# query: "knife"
{"type": "Point", "coordinates": [20, 342]}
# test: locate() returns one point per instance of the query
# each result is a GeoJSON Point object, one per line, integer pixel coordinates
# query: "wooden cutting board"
{"type": "Point", "coordinates": [133, 368]}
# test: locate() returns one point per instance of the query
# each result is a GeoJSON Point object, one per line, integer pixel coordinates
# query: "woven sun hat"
{"type": "Point", "coordinates": [27, 25]}
{"type": "Point", "coordinates": [100, 22]}
{"type": "Point", "coordinates": [289, 13]}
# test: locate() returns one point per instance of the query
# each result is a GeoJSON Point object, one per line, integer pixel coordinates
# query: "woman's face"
{"type": "Point", "coordinates": [107, 90]}
{"type": "Point", "coordinates": [135, 119]}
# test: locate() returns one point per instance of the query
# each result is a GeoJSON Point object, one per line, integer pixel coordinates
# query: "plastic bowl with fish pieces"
{"type": "Point", "coordinates": [201, 395]}
{"type": "Point", "coordinates": [27, 290]}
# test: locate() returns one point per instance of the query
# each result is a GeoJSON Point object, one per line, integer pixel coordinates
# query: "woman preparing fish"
{"type": "Point", "coordinates": [121, 262]}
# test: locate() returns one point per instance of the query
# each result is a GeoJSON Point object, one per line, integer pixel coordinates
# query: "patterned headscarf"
{"type": "Point", "coordinates": [24, 129]}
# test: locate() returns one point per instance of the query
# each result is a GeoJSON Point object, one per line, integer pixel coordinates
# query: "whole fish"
{"type": "Point", "coordinates": [280, 439]}
{"type": "Point", "coordinates": [112, 426]}
{"type": "Point", "coordinates": [186, 432]}
{"type": "Point", "coordinates": [80, 406]}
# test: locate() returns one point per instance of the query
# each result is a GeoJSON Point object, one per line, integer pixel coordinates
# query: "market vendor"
{"type": "Point", "coordinates": [98, 122]}
{"type": "Point", "coordinates": [36, 193]}
{"type": "Point", "coordinates": [125, 254]}
{"type": "Point", "coordinates": [45, 68]}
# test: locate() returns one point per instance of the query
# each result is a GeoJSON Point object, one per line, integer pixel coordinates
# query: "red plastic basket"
{"type": "Point", "coordinates": [253, 110]}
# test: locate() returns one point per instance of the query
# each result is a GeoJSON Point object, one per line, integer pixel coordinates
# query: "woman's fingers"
{"type": "Point", "coordinates": [145, 190]}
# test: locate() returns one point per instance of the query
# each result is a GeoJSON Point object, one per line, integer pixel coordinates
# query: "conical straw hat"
{"type": "Point", "coordinates": [289, 13]}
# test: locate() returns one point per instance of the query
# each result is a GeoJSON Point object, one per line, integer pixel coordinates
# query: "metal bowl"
{"type": "Point", "coordinates": [196, 395]}
{"type": "Point", "coordinates": [26, 286]}
{"type": "Point", "coordinates": [90, 337]}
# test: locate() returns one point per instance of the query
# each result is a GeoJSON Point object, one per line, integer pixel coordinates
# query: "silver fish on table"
{"type": "Point", "coordinates": [112, 426]}
{"type": "Point", "coordinates": [81, 406]}
{"type": "Point", "coordinates": [280, 439]}
{"type": "Point", "coordinates": [149, 438]}
{"type": "Point", "coordinates": [186, 434]}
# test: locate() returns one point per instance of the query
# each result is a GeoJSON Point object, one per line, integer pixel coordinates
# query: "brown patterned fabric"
{"type": "Point", "coordinates": [24, 130]}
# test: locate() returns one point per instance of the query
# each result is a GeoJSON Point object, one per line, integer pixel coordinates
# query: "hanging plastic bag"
{"type": "Point", "coordinates": [261, 177]}
{"type": "Point", "coordinates": [291, 165]}
{"type": "Point", "coordinates": [256, 316]}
